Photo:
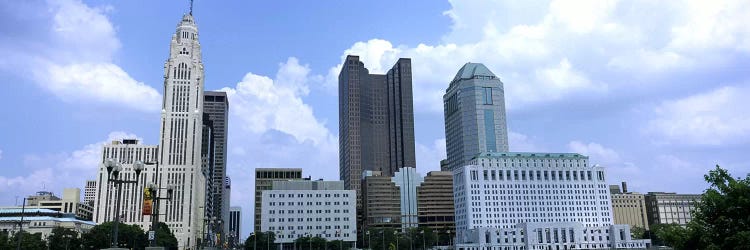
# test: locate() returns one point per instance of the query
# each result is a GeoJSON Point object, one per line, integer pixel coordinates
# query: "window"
{"type": "Point", "coordinates": [487, 95]}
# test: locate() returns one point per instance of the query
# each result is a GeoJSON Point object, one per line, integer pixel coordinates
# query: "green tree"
{"type": "Point", "coordinates": [128, 237]}
{"type": "Point", "coordinates": [265, 241]}
{"type": "Point", "coordinates": [29, 241]}
{"type": "Point", "coordinates": [4, 244]}
{"type": "Point", "coordinates": [672, 235]}
{"type": "Point", "coordinates": [638, 233]}
{"type": "Point", "coordinates": [721, 220]}
{"type": "Point", "coordinates": [164, 236]}
{"type": "Point", "coordinates": [64, 238]}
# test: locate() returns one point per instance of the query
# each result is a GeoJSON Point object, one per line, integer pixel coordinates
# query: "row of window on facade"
{"type": "Point", "coordinates": [310, 203]}
{"type": "Point", "coordinates": [500, 175]}
{"type": "Point", "coordinates": [271, 228]}
{"type": "Point", "coordinates": [308, 195]}
{"type": "Point", "coordinates": [307, 219]}
{"type": "Point", "coordinates": [319, 211]}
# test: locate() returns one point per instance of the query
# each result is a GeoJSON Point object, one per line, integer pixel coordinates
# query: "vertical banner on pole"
{"type": "Point", "coordinates": [147, 201]}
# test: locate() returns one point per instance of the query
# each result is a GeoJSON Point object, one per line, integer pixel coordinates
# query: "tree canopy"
{"type": "Point", "coordinates": [64, 238]}
{"type": "Point", "coordinates": [164, 236]}
{"type": "Point", "coordinates": [265, 241]}
{"type": "Point", "coordinates": [721, 219]}
{"type": "Point", "coordinates": [129, 236]}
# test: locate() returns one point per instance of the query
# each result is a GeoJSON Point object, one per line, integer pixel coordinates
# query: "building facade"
{"type": "Point", "coordinates": [127, 152]}
{"type": "Point", "coordinates": [551, 235]}
{"type": "Point", "coordinates": [180, 134]}
{"type": "Point", "coordinates": [70, 204]}
{"type": "Point", "coordinates": [668, 208]}
{"type": "Point", "coordinates": [89, 192]}
{"type": "Point", "coordinates": [474, 109]}
{"type": "Point", "coordinates": [235, 226]}
{"type": "Point", "coordinates": [509, 199]}
{"type": "Point", "coordinates": [376, 120]}
{"type": "Point", "coordinates": [628, 207]}
{"type": "Point", "coordinates": [435, 202]}
{"type": "Point", "coordinates": [40, 220]}
{"type": "Point", "coordinates": [408, 200]}
{"type": "Point", "coordinates": [264, 178]}
{"type": "Point", "coordinates": [501, 190]}
{"type": "Point", "coordinates": [216, 106]}
{"type": "Point", "coordinates": [296, 209]}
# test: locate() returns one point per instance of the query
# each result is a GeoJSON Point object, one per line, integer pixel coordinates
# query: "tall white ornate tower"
{"type": "Point", "coordinates": [181, 133]}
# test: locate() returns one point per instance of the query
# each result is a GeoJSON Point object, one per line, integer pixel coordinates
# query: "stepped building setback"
{"type": "Point", "coordinates": [514, 200]}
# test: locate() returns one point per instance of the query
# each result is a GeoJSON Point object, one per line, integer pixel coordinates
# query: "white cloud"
{"type": "Point", "coordinates": [518, 142]}
{"type": "Point", "coordinates": [103, 83]}
{"type": "Point", "coordinates": [714, 118]}
{"type": "Point", "coordinates": [271, 125]}
{"type": "Point", "coordinates": [713, 25]}
{"type": "Point", "coordinates": [57, 171]}
{"type": "Point", "coordinates": [549, 51]}
{"type": "Point", "coordinates": [261, 104]}
{"type": "Point", "coordinates": [598, 153]}
{"type": "Point", "coordinates": [70, 54]}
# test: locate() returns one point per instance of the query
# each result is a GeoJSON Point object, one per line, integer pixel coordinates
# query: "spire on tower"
{"type": "Point", "coordinates": [191, 7]}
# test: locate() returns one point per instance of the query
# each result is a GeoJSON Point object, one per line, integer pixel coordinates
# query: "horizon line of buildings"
{"type": "Point", "coordinates": [485, 195]}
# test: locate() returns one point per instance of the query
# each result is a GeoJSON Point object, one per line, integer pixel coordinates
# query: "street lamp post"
{"type": "Point", "coordinates": [396, 234]}
{"type": "Point", "coordinates": [369, 240]}
{"type": "Point", "coordinates": [424, 246]}
{"type": "Point", "coordinates": [113, 170]}
{"type": "Point", "coordinates": [154, 190]}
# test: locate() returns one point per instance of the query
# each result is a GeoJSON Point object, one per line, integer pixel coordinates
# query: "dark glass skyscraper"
{"type": "Point", "coordinates": [376, 120]}
{"type": "Point", "coordinates": [216, 106]}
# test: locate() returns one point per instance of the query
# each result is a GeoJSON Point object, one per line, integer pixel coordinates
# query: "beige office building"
{"type": "Point", "coordinates": [435, 201]}
{"type": "Point", "coordinates": [389, 201]}
{"type": "Point", "coordinates": [628, 207]}
{"type": "Point", "coordinates": [264, 178]}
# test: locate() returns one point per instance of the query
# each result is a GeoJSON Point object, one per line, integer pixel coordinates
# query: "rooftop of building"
{"type": "Point", "coordinates": [308, 185]}
{"type": "Point", "coordinates": [17, 210]}
{"type": "Point", "coordinates": [530, 155]}
{"type": "Point", "coordinates": [471, 70]}
{"type": "Point", "coordinates": [277, 169]}
{"type": "Point", "coordinates": [46, 218]}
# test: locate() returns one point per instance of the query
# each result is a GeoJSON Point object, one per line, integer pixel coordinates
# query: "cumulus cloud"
{"type": "Point", "coordinates": [57, 171]}
{"type": "Point", "coordinates": [70, 54]}
{"type": "Point", "coordinates": [596, 152]}
{"type": "Point", "coordinates": [714, 118]}
{"type": "Point", "coordinates": [568, 49]}
{"type": "Point", "coordinates": [261, 104]}
{"type": "Point", "coordinates": [518, 142]}
{"type": "Point", "coordinates": [271, 126]}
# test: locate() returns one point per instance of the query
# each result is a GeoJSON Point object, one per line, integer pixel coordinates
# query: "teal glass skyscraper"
{"type": "Point", "coordinates": [474, 106]}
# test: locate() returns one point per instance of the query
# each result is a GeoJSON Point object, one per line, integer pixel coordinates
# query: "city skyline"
{"type": "Point", "coordinates": [657, 108]}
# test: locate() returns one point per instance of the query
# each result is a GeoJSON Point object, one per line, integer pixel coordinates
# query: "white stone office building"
{"type": "Point", "coordinates": [301, 208]}
{"type": "Point", "coordinates": [535, 201]}
{"type": "Point", "coordinates": [89, 192]}
{"type": "Point", "coordinates": [127, 152]}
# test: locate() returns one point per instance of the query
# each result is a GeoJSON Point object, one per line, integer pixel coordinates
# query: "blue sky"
{"type": "Point", "coordinates": [655, 91]}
